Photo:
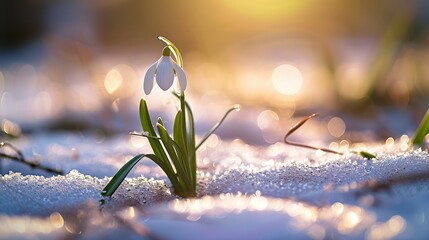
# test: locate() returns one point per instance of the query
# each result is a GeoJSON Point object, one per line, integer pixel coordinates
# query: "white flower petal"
{"type": "Point", "coordinates": [181, 77]}
{"type": "Point", "coordinates": [149, 78]}
{"type": "Point", "coordinates": [164, 73]}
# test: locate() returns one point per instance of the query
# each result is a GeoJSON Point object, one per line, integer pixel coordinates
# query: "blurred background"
{"type": "Point", "coordinates": [79, 65]}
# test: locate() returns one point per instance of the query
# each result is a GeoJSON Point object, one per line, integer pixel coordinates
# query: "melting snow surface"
{"type": "Point", "coordinates": [246, 192]}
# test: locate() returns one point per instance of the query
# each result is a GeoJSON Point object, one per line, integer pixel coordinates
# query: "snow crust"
{"type": "Point", "coordinates": [244, 191]}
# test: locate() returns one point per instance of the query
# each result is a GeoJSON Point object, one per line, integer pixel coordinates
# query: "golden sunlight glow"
{"type": "Point", "coordinates": [113, 81]}
{"type": "Point", "coordinates": [287, 79]}
{"type": "Point", "coordinates": [266, 10]}
{"type": "Point", "coordinates": [336, 127]}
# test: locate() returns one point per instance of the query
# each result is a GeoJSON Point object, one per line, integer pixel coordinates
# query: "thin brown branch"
{"type": "Point", "coordinates": [296, 127]}
{"type": "Point", "coordinates": [20, 158]}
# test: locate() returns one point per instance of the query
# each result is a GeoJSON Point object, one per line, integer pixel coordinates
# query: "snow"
{"type": "Point", "coordinates": [244, 191]}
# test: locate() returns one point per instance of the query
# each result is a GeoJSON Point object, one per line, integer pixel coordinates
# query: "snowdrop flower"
{"type": "Point", "coordinates": [163, 71]}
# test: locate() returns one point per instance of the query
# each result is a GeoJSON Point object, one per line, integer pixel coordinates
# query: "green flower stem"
{"type": "Point", "coordinates": [174, 49]}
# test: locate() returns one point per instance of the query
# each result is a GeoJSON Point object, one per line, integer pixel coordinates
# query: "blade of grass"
{"type": "Point", "coordinates": [422, 131]}
{"type": "Point", "coordinates": [120, 176]}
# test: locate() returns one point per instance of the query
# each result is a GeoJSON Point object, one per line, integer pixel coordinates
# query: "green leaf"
{"type": "Point", "coordinates": [180, 138]}
{"type": "Point", "coordinates": [216, 126]}
{"type": "Point", "coordinates": [167, 170]}
{"type": "Point", "coordinates": [178, 130]}
{"type": "Point", "coordinates": [147, 126]}
{"type": "Point", "coordinates": [120, 176]}
{"type": "Point", "coordinates": [422, 131]}
{"type": "Point", "coordinates": [178, 163]}
{"type": "Point", "coordinates": [190, 135]}
{"type": "Point", "coordinates": [367, 155]}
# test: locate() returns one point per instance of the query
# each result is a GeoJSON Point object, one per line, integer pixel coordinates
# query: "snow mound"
{"type": "Point", "coordinates": [37, 195]}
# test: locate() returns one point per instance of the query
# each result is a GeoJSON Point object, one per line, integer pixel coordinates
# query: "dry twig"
{"type": "Point", "coordinates": [20, 158]}
{"type": "Point", "coordinates": [298, 125]}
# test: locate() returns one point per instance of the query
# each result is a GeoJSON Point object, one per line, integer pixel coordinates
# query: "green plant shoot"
{"type": "Point", "coordinates": [175, 154]}
{"type": "Point", "coordinates": [422, 131]}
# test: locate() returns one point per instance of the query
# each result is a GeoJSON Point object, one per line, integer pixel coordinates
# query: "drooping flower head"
{"type": "Point", "coordinates": [163, 72]}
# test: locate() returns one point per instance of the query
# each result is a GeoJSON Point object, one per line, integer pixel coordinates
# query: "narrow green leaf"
{"type": "Point", "coordinates": [190, 137]}
{"type": "Point", "coordinates": [147, 126]}
{"type": "Point", "coordinates": [177, 130]}
{"type": "Point", "coordinates": [179, 139]}
{"type": "Point", "coordinates": [188, 144]}
{"type": "Point", "coordinates": [422, 131]}
{"type": "Point", "coordinates": [216, 126]}
{"type": "Point", "coordinates": [367, 155]}
{"type": "Point", "coordinates": [168, 145]}
{"type": "Point", "coordinates": [167, 170]}
{"type": "Point", "coordinates": [120, 176]}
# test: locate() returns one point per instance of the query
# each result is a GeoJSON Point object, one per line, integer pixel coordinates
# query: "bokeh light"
{"type": "Point", "coordinates": [336, 127]}
{"type": "Point", "coordinates": [352, 84]}
{"type": "Point", "coordinates": [11, 128]}
{"type": "Point", "coordinates": [113, 81]}
{"type": "Point", "coordinates": [289, 57]}
{"type": "Point", "coordinates": [287, 79]}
